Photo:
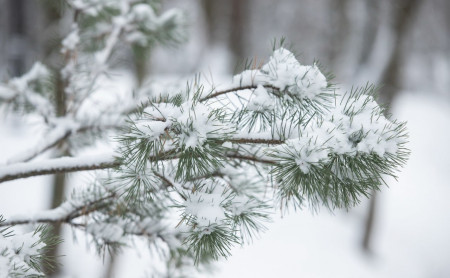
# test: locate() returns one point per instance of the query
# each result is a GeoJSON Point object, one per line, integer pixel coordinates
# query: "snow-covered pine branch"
{"type": "Point", "coordinates": [201, 169]}
{"type": "Point", "coordinates": [24, 255]}
{"type": "Point", "coordinates": [317, 146]}
{"type": "Point", "coordinates": [57, 165]}
{"type": "Point", "coordinates": [99, 29]}
{"type": "Point", "coordinates": [210, 154]}
{"type": "Point", "coordinates": [29, 92]}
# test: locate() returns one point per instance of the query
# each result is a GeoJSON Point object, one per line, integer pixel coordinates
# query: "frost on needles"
{"type": "Point", "coordinates": [197, 169]}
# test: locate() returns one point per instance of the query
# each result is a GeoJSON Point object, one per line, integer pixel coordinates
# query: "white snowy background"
{"type": "Point", "coordinates": [411, 236]}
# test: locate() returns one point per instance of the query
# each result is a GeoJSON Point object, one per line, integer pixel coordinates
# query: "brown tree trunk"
{"type": "Point", "coordinates": [226, 23]}
{"type": "Point", "coordinates": [402, 18]}
{"type": "Point", "coordinates": [53, 15]}
{"type": "Point", "coordinates": [59, 180]}
{"type": "Point", "coordinates": [370, 220]}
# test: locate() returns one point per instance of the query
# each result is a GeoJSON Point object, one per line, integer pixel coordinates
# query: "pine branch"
{"type": "Point", "coordinates": [51, 141]}
{"type": "Point", "coordinates": [65, 213]}
{"type": "Point", "coordinates": [232, 90]}
{"type": "Point", "coordinates": [251, 158]}
{"type": "Point", "coordinates": [56, 137]}
{"type": "Point", "coordinates": [87, 163]}
{"type": "Point", "coordinates": [218, 155]}
{"type": "Point", "coordinates": [255, 141]}
{"type": "Point", "coordinates": [56, 165]}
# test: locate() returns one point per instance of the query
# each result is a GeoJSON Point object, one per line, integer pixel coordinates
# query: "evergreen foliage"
{"type": "Point", "coordinates": [24, 255]}
{"type": "Point", "coordinates": [200, 169]}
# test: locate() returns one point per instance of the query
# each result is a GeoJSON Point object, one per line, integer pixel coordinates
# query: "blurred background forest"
{"type": "Point", "coordinates": [402, 45]}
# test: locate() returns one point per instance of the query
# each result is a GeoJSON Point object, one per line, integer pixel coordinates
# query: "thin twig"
{"type": "Point", "coordinates": [29, 155]}
{"type": "Point", "coordinates": [255, 141]}
{"type": "Point", "coordinates": [219, 93]}
{"type": "Point", "coordinates": [74, 164]}
{"type": "Point", "coordinates": [76, 212]}
{"type": "Point", "coordinates": [250, 158]}
{"type": "Point", "coordinates": [56, 165]}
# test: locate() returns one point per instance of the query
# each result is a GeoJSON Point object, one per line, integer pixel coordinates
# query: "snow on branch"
{"type": "Point", "coordinates": [281, 127]}
{"type": "Point", "coordinates": [57, 165]}
{"type": "Point", "coordinates": [62, 131]}
{"type": "Point", "coordinates": [282, 114]}
{"type": "Point", "coordinates": [24, 255]}
{"type": "Point", "coordinates": [28, 92]}
{"type": "Point", "coordinates": [67, 212]}
{"type": "Point", "coordinates": [218, 159]}
{"type": "Point", "coordinates": [88, 52]}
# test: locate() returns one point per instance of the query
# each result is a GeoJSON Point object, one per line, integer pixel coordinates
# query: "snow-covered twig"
{"type": "Point", "coordinates": [250, 140]}
{"type": "Point", "coordinates": [85, 163]}
{"type": "Point", "coordinates": [57, 165]}
{"type": "Point", "coordinates": [55, 137]}
{"type": "Point", "coordinates": [250, 158]}
{"type": "Point", "coordinates": [65, 213]}
{"type": "Point", "coordinates": [23, 91]}
{"type": "Point", "coordinates": [215, 94]}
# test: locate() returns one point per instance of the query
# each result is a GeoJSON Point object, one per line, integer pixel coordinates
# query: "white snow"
{"type": "Point", "coordinates": [206, 208]}
{"type": "Point", "coordinates": [144, 14]}
{"type": "Point", "coordinates": [109, 232]}
{"type": "Point", "coordinates": [283, 71]}
{"type": "Point", "coordinates": [6, 93]}
{"type": "Point", "coordinates": [195, 120]}
{"type": "Point", "coordinates": [410, 228]}
{"type": "Point", "coordinates": [55, 164]}
{"type": "Point", "coordinates": [22, 88]}
{"type": "Point", "coordinates": [410, 232]}
{"type": "Point", "coordinates": [56, 214]}
{"type": "Point", "coordinates": [71, 41]}
{"type": "Point", "coordinates": [15, 254]}
{"type": "Point", "coordinates": [364, 118]}
{"type": "Point", "coordinates": [152, 129]}
{"type": "Point", "coordinates": [37, 71]}
{"type": "Point", "coordinates": [261, 100]}
{"type": "Point", "coordinates": [62, 127]}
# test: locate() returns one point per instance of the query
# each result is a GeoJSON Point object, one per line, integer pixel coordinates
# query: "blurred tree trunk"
{"type": "Point", "coordinates": [17, 40]}
{"type": "Point", "coordinates": [238, 24]}
{"type": "Point", "coordinates": [110, 268]}
{"type": "Point", "coordinates": [339, 36]}
{"type": "Point", "coordinates": [215, 14]}
{"type": "Point", "coordinates": [53, 17]}
{"type": "Point", "coordinates": [23, 45]}
{"type": "Point", "coordinates": [227, 23]}
{"type": "Point", "coordinates": [141, 61]}
{"type": "Point", "coordinates": [59, 180]}
{"type": "Point", "coordinates": [402, 14]}
{"type": "Point", "coordinates": [370, 30]}
{"type": "Point", "coordinates": [208, 9]}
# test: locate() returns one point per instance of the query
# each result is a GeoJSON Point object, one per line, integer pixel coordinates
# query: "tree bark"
{"type": "Point", "coordinates": [53, 15]}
